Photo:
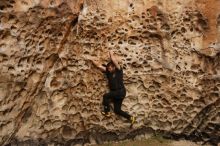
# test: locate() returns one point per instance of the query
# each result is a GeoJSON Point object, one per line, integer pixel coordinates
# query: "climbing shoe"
{"type": "Point", "coordinates": [107, 114]}
{"type": "Point", "coordinates": [132, 120]}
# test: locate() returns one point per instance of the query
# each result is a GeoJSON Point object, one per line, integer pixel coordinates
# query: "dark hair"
{"type": "Point", "coordinates": [110, 64]}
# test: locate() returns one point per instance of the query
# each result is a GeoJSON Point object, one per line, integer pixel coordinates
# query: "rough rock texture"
{"type": "Point", "coordinates": [50, 93]}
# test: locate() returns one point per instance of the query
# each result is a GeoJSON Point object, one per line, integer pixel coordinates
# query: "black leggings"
{"type": "Point", "coordinates": [117, 98]}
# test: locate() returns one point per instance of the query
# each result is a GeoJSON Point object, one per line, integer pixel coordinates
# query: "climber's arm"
{"type": "Point", "coordinates": [98, 64]}
{"type": "Point", "coordinates": [114, 60]}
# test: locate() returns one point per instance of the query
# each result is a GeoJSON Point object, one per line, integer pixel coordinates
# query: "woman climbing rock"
{"type": "Point", "coordinates": [114, 73]}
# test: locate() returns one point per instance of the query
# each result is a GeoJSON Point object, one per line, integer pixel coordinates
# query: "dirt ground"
{"type": "Point", "coordinates": [151, 142]}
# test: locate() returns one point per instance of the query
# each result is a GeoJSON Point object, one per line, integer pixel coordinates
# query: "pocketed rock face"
{"type": "Point", "coordinates": [50, 93]}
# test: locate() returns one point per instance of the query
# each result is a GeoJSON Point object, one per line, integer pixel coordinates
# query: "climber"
{"type": "Point", "coordinates": [117, 91]}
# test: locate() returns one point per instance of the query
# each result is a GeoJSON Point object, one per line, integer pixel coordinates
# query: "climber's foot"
{"type": "Point", "coordinates": [107, 114]}
{"type": "Point", "coordinates": [132, 121]}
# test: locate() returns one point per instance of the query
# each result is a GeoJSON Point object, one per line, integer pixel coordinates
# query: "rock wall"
{"type": "Point", "coordinates": [50, 93]}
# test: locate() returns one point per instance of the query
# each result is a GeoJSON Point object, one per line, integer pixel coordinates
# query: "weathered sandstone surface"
{"type": "Point", "coordinates": [50, 93]}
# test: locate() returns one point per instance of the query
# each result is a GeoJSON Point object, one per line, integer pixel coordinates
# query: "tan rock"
{"type": "Point", "coordinates": [50, 91]}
